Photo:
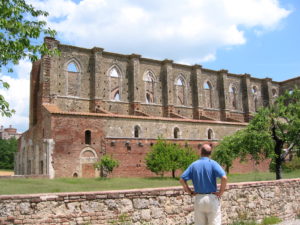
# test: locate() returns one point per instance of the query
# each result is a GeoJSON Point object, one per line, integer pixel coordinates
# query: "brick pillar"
{"type": "Point", "coordinates": [134, 93]}
{"type": "Point", "coordinates": [246, 92]}
{"type": "Point", "coordinates": [223, 94]}
{"type": "Point", "coordinates": [167, 87]}
{"type": "Point", "coordinates": [96, 83]}
{"type": "Point", "coordinates": [195, 77]}
{"type": "Point", "coordinates": [267, 92]}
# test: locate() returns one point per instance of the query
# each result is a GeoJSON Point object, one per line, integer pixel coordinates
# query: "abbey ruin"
{"type": "Point", "coordinates": [88, 102]}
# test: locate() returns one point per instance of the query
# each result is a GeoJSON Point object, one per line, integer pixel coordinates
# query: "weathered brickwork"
{"type": "Point", "coordinates": [85, 99]}
{"type": "Point", "coordinates": [160, 206]}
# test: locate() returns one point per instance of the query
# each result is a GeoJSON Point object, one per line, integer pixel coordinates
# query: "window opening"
{"type": "Point", "coordinates": [87, 137]}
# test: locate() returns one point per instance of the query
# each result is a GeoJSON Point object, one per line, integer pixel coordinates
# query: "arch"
{"type": "Point", "coordinates": [274, 92]}
{"type": "Point", "coordinates": [254, 90]}
{"type": "Point", "coordinates": [115, 78]}
{"type": "Point", "coordinates": [137, 131]}
{"type": "Point", "coordinates": [88, 152]}
{"type": "Point", "coordinates": [88, 137]}
{"type": "Point", "coordinates": [208, 94]}
{"type": "Point", "coordinates": [210, 134]}
{"type": "Point", "coordinates": [180, 90]}
{"type": "Point", "coordinates": [73, 77]}
{"type": "Point", "coordinates": [149, 82]}
{"type": "Point", "coordinates": [233, 96]}
{"type": "Point", "coordinates": [176, 133]}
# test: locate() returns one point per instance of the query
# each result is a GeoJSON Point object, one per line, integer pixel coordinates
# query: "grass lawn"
{"type": "Point", "coordinates": [24, 185]}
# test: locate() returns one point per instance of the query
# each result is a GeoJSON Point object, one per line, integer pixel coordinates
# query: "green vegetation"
{"type": "Point", "coordinates": [270, 131]}
{"type": "Point", "coordinates": [26, 186]}
{"type": "Point", "coordinates": [106, 165]}
{"type": "Point", "coordinates": [166, 156]}
{"type": "Point", "coordinates": [7, 151]}
{"type": "Point", "coordinates": [21, 28]}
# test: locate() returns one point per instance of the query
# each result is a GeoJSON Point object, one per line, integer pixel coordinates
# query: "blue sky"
{"type": "Point", "coordinates": [259, 37]}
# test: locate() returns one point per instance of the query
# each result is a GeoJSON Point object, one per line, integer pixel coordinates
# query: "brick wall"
{"type": "Point", "coordinates": [158, 206]}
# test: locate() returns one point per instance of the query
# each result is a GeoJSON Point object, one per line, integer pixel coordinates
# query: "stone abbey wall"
{"type": "Point", "coordinates": [160, 206]}
{"type": "Point", "coordinates": [84, 100]}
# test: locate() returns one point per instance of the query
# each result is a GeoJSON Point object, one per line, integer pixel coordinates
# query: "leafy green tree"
{"type": "Point", "coordinates": [106, 165]}
{"type": "Point", "coordinates": [7, 152]}
{"type": "Point", "coordinates": [20, 30]}
{"type": "Point", "coordinates": [165, 156]}
{"type": "Point", "coordinates": [267, 134]}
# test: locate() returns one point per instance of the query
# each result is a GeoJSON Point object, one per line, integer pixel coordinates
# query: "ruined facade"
{"type": "Point", "coordinates": [87, 102]}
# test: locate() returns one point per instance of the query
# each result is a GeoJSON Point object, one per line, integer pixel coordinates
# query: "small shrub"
{"type": "Point", "coordinates": [243, 222]}
{"type": "Point", "coordinates": [271, 220]}
{"type": "Point", "coordinates": [106, 165]}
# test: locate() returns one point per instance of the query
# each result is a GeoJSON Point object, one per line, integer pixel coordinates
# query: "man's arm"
{"type": "Point", "coordinates": [222, 187]}
{"type": "Point", "coordinates": [185, 186]}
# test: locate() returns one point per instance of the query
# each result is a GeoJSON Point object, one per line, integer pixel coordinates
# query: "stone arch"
{"type": "Point", "coordinates": [210, 134]}
{"type": "Point", "coordinates": [176, 133]}
{"type": "Point", "coordinates": [180, 90]}
{"type": "Point", "coordinates": [73, 77]}
{"type": "Point", "coordinates": [88, 157]}
{"type": "Point", "coordinates": [150, 83]}
{"type": "Point", "coordinates": [208, 93]}
{"type": "Point", "coordinates": [137, 131]}
{"type": "Point", "coordinates": [233, 96]}
{"type": "Point", "coordinates": [114, 74]}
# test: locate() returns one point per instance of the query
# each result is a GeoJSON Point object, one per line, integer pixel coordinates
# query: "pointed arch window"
{"type": "Point", "coordinates": [114, 83]}
{"type": "Point", "coordinates": [88, 137]}
{"type": "Point", "coordinates": [73, 79]}
{"type": "Point", "coordinates": [180, 91]}
{"type": "Point", "coordinates": [149, 80]}
{"type": "Point", "coordinates": [274, 93]}
{"type": "Point", "coordinates": [137, 131]}
{"type": "Point", "coordinates": [210, 134]}
{"type": "Point", "coordinates": [233, 96]}
{"type": "Point", "coordinates": [176, 132]}
{"type": "Point", "coordinates": [208, 94]}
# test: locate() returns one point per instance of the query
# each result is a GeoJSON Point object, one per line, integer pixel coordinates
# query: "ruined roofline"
{"type": "Point", "coordinates": [289, 80]}
{"type": "Point", "coordinates": [53, 109]}
{"type": "Point", "coordinates": [90, 50]}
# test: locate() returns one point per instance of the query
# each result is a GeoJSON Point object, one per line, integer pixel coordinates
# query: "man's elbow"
{"type": "Point", "coordinates": [224, 178]}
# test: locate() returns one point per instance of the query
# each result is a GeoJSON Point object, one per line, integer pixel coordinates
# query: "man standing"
{"type": "Point", "coordinates": [204, 173]}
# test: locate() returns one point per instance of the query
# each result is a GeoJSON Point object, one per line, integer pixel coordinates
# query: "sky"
{"type": "Point", "coordinates": [258, 37]}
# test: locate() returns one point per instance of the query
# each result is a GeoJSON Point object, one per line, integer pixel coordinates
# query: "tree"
{"type": "Point", "coordinates": [106, 165]}
{"type": "Point", "coordinates": [20, 28]}
{"type": "Point", "coordinates": [271, 129]}
{"type": "Point", "coordinates": [165, 156]}
{"type": "Point", "coordinates": [7, 152]}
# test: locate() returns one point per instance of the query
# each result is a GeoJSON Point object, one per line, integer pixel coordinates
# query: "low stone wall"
{"type": "Point", "coordinates": [159, 206]}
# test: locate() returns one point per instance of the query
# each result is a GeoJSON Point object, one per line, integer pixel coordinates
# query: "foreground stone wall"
{"type": "Point", "coordinates": [150, 206]}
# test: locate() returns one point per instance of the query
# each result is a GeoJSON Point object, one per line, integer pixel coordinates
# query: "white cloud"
{"type": "Point", "coordinates": [18, 96]}
{"type": "Point", "coordinates": [176, 29]}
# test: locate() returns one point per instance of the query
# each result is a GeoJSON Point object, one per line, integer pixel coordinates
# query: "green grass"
{"type": "Point", "coordinates": [271, 220]}
{"type": "Point", "coordinates": [26, 185]}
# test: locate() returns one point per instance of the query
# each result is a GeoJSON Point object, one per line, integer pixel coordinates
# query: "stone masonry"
{"type": "Point", "coordinates": [85, 103]}
{"type": "Point", "coordinates": [160, 206]}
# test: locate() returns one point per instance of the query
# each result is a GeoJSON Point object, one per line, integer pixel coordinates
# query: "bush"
{"type": "Point", "coordinates": [106, 165]}
{"type": "Point", "coordinates": [271, 220]}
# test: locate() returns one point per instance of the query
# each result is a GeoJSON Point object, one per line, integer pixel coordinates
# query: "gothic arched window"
{"type": "Point", "coordinates": [208, 94]}
{"type": "Point", "coordinates": [149, 80]}
{"type": "Point", "coordinates": [210, 134]}
{"type": "Point", "coordinates": [73, 79]}
{"type": "Point", "coordinates": [180, 91]}
{"type": "Point", "coordinates": [114, 83]}
{"type": "Point", "coordinates": [88, 137]}
{"type": "Point", "coordinates": [137, 131]}
{"type": "Point", "coordinates": [176, 132]}
{"type": "Point", "coordinates": [233, 97]}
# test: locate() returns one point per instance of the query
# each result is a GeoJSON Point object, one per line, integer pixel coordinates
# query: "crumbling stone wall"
{"type": "Point", "coordinates": [160, 206]}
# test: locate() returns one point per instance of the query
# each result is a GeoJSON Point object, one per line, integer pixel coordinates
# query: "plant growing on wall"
{"type": "Point", "coordinates": [106, 165]}
{"type": "Point", "coordinates": [20, 28]}
{"type": "Point", "coordinates": [165, 156]}
{"type": "Point", "coordinates": [270, 130]}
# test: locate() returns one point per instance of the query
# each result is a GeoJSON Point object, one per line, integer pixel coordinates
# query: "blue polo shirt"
{"type": "Point", "coordinates": [204, 173]}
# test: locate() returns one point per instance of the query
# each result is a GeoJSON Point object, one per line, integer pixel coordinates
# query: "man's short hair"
{"type": "Point", "coordinates": [206, 150]}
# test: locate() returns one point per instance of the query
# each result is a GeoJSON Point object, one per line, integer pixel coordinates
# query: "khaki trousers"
{"type": "Point", "coordinates": [207, 209]}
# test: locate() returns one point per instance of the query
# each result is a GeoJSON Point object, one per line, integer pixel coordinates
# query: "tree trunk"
{"type": "Point", "coordinates": [173, 173]}
{"type": "Point", "coordinates": [278, 159]}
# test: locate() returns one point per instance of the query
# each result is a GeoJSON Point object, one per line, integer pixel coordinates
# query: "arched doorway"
{"type": "Point", "coordinates": [88, 157]}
